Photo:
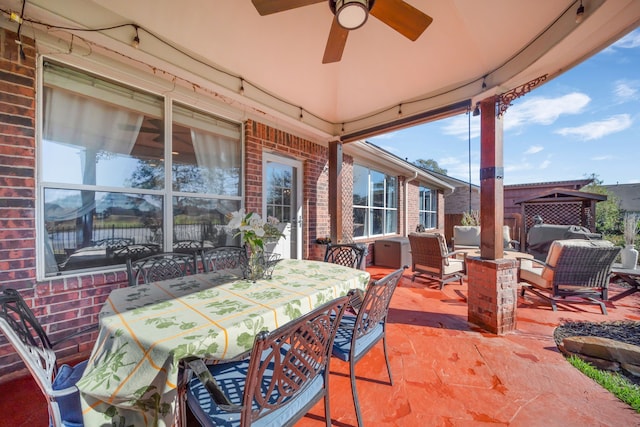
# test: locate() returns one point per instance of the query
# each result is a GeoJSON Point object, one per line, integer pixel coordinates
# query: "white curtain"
{"type": "Point", "coordinates": [99, 128]}
{"type": "Point", "coordinates": [215, 151]}
{"type": "Point", "coordinates": [77, 120]}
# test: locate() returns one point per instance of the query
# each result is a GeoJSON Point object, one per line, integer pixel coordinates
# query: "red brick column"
{"type": "Point", "coordinates": [493, 294]}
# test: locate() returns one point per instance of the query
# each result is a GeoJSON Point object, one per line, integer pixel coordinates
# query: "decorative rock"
{"type": "Point", "coordinates": [603, 348]}
{"type": "Point", "coordinates": [630, 369]}
{"type": "Point", "coordinates": [602, 364]}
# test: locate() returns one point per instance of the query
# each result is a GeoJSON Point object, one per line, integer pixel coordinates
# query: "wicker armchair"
{"type": "Point", "coordinates": [431, 257]}
{"type": "Point", "coordinates": [573, 269]}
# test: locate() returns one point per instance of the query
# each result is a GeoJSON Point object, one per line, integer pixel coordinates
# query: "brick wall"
{"type": "Point", "coordinates": [458, 201]}
{"type": "Point", "coordinates": [63, 304]}
{"type": "Point", "coordinates": [259, 137]}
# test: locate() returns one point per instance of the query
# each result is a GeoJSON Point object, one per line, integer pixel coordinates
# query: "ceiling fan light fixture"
{"type": "Point", "coordinates": [352, 14]}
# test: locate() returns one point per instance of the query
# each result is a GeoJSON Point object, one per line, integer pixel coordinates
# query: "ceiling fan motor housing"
{"type": "Point", "coordinates": [351, 14]}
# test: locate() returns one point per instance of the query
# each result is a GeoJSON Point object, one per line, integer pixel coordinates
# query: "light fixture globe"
{"type": "Point", "coordinates": [351, 14]}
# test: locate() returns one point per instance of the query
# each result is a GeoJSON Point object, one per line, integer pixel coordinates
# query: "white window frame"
{"type": "Point", "coordinates": [385, 209]}
{"type": "Point", "coordinates": [123, 74]}
{"type": "Point", "coordinates": [421, 203]}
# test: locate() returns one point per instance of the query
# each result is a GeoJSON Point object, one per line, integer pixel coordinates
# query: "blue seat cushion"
{"type": "Point", "coordinates": [70, 409]}
{"type": "Point", "coordinates": [342, 342]}
{"type": "Point", "coordinates": [231, 378]}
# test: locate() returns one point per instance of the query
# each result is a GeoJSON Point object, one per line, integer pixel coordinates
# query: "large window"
{"type": "Point", "coordinates": [375, 203]}
{"type": "Point", "coordinates": [116, 172]}
{"type": "Point", "coordinates": [428, 207]}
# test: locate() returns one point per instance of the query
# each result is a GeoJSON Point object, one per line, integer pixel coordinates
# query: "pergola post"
{"type": "Point", "coordinates": [335, 190]}
{"type": "Point", "coordinates": [491, 181]}
{"type": "Point", "coordinates": [492, 280]}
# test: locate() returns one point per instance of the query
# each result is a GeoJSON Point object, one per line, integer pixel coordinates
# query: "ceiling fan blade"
{"type": "Point", "coordinates": [267, 7]}
{"type": "Point", "coordinates": [335, 43]}
{"type": "Point", "coordinates": [402, 17]}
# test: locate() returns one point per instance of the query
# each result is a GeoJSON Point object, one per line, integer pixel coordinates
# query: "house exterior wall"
{"type": "Point", "coordinates": [66, 303]}
{"type": "Point", "coordinates": [457, 202]}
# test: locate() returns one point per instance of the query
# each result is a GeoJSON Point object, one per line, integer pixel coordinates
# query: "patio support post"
{"type": "Point", "coordinates": [335, 190]}
{"type": "Point", "coordinates": [493, 284]}
{"type": "Point", "coordinates": [491, 181]}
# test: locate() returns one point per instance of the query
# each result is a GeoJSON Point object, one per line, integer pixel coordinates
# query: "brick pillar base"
{"type": "Point", "coordinates": [493, 294]}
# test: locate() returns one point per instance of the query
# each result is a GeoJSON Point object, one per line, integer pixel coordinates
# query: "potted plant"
{"type": "Point", "coordinates": [629, 253]}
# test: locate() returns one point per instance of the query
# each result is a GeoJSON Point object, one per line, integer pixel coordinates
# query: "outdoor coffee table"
{"type": "Point", "coordinates": [630, 275]}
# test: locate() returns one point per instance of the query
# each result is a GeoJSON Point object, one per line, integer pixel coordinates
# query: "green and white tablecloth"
{"type": "Point", "coordinates": [132, 375]}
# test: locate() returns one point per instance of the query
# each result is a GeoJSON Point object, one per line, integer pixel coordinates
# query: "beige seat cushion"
{"type": "Point", "coordinates": [455, 266]}
{"type": "Point", "coordinates": [467, 236]}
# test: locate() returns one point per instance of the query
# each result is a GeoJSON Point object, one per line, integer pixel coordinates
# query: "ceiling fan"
{"type": "Point", "coordinates": [352, 14]}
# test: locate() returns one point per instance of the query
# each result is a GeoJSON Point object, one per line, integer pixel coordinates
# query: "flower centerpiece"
{"type": "Point", "coordinates": [255, 233]}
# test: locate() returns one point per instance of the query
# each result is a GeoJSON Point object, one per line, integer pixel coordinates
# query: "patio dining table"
{"type": "Point", "coordinates": [145, 331]}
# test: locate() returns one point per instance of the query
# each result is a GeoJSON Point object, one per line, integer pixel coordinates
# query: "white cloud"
{"type": "Point", "coordinates": [626, 90]}
{"type": "Point", "coordinates": [544, 110]}
{"type": "Point", "coordinates": [532, 111]}
{"type": "Point", "coordinates": [630, 41]}
{"type": "Point", "coordinates": [459, 127]}
{"type": "Point", "coordinates": [601, 158]}
{"type": "Point", "coordinates": [545, 164]}
{"type": "Point", "coordinates": [534, 149]}
{"type": "Point", "coordinates": [596, 130]}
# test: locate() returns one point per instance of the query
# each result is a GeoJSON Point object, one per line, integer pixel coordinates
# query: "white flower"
{"type": "Point", "coordinates": [236, 219]}
{"type": "Point", "coordinates": [253, 229]}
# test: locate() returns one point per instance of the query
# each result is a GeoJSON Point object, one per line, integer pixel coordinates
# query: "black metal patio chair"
{"type": "Point", "coordinates": [163, 266]}
{"type": "Point", "coordinates": [285, 376]}
{"type": "Point", "coordinates": [357, 334]}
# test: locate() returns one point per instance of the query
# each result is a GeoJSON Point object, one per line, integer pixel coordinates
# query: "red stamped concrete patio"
{"type": "Point", "coordinates": [446, 372]}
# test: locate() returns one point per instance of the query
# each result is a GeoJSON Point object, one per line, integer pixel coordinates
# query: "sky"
{"type": "Point", "coordinates": [584, 122]}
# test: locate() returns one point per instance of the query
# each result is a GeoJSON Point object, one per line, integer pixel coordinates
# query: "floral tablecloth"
{"type": "Point", "coordinates": [132, 375]}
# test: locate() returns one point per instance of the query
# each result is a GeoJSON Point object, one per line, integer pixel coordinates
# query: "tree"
{"type": "Point", "coordinates": [608, 217]}
{"type": "Point", "coordinates": [430, 165]}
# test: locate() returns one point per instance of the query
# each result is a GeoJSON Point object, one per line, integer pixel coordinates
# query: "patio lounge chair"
{"type": "Point", "coordinates": [431, 257]}
{"type": "Point", "coordinates": [573, 269]}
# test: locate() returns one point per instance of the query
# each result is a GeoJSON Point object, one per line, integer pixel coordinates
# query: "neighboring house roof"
{"type": "Point", "coordinates": [562, 195]}
{"type": "Point", "coordinates": [575, 184]}
{"type": "Point", "coordinates": [376, 156]}
{"type": "Point", "coordinates": [627, 194]}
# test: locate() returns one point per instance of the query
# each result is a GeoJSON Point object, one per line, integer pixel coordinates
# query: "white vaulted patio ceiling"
{"type": "Point", "coordinates": [279, 56]}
